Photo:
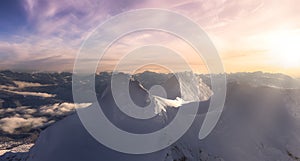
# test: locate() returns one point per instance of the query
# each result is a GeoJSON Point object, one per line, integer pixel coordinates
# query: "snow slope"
{"type": "Point", "coordinates": [258, 123]}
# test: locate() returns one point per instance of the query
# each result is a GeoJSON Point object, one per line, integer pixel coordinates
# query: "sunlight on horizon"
{"type": "Point", "coordinates": [285, 47]}
{"type": "Point", "coordinates": [249, 35]}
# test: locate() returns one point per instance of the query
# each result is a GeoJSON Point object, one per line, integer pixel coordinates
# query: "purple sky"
{"type": "Point", "coordinates": [250, 35]}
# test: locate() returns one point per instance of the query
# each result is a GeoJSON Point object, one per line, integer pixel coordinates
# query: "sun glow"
{"type": "Point", "coordinates": [285, 48]}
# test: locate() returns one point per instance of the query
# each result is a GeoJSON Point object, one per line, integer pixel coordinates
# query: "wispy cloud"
{"type": "Point", "coordinates": [38, 94]}
{"type": "Point", "coordinates": [54, 30]}
{"type": "Point", "coordinates": [59, 109]}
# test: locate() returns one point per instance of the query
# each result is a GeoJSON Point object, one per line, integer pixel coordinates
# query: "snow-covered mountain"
{"type": "Point", "coordinates": [258, 123]}
{"type": "Point", "coordinates": [84, 147]}
{"type": "Point", "coordinates": [261, 79]}
{"type": "Point", "coordinates": [260, 119]}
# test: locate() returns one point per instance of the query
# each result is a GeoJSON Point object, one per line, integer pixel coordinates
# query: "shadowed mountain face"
{"type": "Point", "coordinates": [141, 97]}
{"type": "Point", "coordinates": [173, 88]}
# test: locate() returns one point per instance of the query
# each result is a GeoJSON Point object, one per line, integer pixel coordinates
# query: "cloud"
{"type": "Point", "coordinates": [24, 118]}
{"type": "Point", "coordinates": [56, 109]}
{"type": "Point", "coordinates": [36, 54]}
{"type": "Point", "coordinates": [61, 108]}
{"type": "Point", "coordinates": [22, 84]}
{"type": "Point", "coordinates": [18, 110]}
{"type": "Point", "coordinates": [57, 28]}
{"type": "Point", "coordinates": [52, 63]}
{"type": "Point", "coordinates": [39, 94]}
{"type": "Point", "coordinates": [11, 124]}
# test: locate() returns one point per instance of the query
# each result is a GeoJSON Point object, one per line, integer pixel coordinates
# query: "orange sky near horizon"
{"type": "Point", "coordinates": [250, 35]}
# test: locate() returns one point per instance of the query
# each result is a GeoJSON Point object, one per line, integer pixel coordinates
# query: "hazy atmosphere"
{"type": "Point", "coordinates": [149, 80]}
{"type": "Point", "coordinates": [259, 35]}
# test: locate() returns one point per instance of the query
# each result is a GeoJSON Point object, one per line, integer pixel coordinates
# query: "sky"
{"type": "Point", "coordinates": [250, 35]}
